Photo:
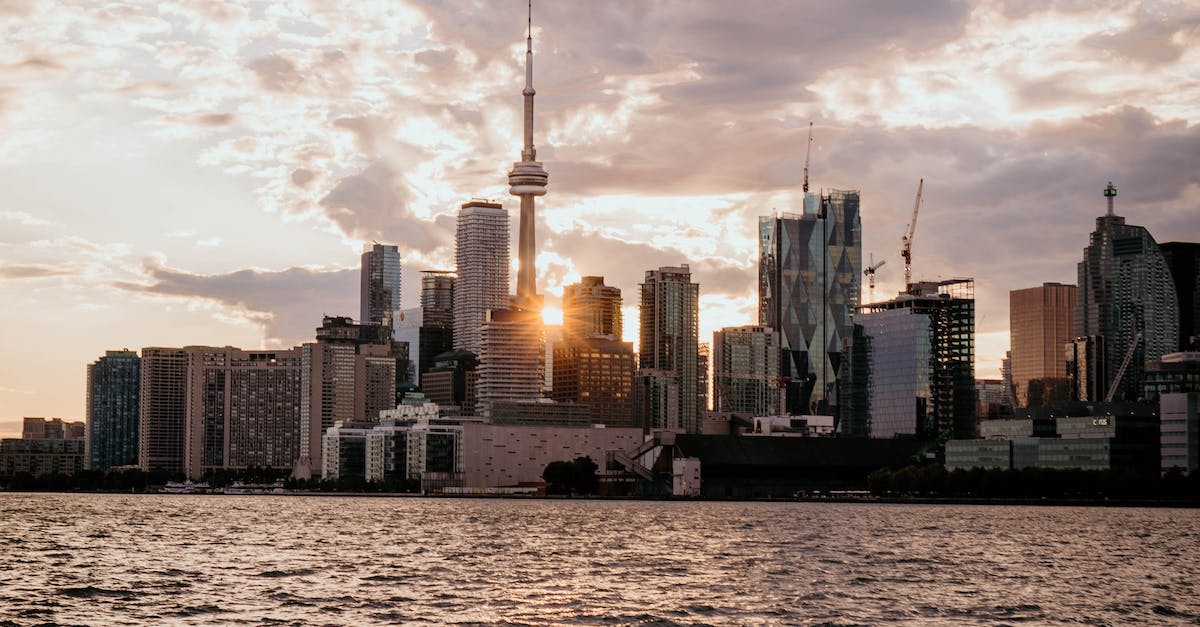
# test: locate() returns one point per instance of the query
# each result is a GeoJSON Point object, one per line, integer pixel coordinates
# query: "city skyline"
{"type": "Point", "coordinates": [222, 186]}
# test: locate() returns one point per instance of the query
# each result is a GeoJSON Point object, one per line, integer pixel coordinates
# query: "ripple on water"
{"type": "Point", "coordinates": [387, 561]}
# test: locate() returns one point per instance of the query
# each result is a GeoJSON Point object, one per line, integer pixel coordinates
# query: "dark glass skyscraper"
{"type": "Point", "coordinates": [1183, 258]}
{"type": "Point", "coordinates": [379, 294]}
{"type": "Point", "coordinates": [1125, 288]}
{"type": "Point", "coordinates": [113, 384]}
{"type": "Point", "coordinates": [808, 286]}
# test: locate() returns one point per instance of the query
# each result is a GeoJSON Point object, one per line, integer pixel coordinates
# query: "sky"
{"type": "Point", "coordinates": [207, 172]}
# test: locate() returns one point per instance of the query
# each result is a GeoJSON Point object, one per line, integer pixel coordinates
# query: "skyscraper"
{"type": "Point", "coordinates": [481, 252]}
{"type": "Point", "coordinates": [1041, 323]}
{"type": "Point", "coordinates": [669, 345]}
{"type": "Point", "coordinates": [527, 180]}
{"type": "Point", "coordinates": [379, 294]}
{"type": "Point", "coordinates": [437, 318]}
{"type": "Point", "coordinates": [1125, 288]}
{"type": "Point", "coordinates": [911, 367]}
{"type": "Point", "coordinates": [746, 371]}
{"type": "Point", "coordinates": [591, 364]}
{"type": "Point", "coordinates": [1183, 258]}
{"type": "Point", "coordinates": [113, 384]}
{"type": "Point", "coordinates": [809, 281]}
{"type": "Point", "coordinates": [162, 409]}
{"type": "Point", "coordinates": [591, 308]}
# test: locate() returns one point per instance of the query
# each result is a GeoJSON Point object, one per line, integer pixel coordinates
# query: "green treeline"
{"type": "Point", "coordinates": [1033, 483]}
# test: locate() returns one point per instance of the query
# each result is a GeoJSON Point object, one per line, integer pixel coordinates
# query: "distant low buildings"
{"type": "Point", "coordinates": [45, 447]}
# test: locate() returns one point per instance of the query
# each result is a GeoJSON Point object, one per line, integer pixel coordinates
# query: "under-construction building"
{"type": "Point", "coordinates": [910, 371]}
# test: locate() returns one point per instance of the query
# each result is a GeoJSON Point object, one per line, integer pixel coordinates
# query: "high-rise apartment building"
{"type": "Point", "coordinates": [243, 409]}
{"type": "Point", "coordinates": [1041, 321]}
{"type": "Point", "coordinates": [669, 344]}
{"type": "Point", "coordinates": [911, 367]}
{"type": "Point", "coordinates": [481, 252]}
{"type": "Point", "coordinates": [1125, 288]}
{"type": "Point", "coordinates": [808, 287]}
{"type": "Point", "coordinates": [113, 384]}
{"type": "Point", "coordinates": [511, 358]}
{"type": "Point", "coordinates": [1183, 259]}
{"type": "Point", "coordinates": [746, 371]}
{"type": "Point", "coordinates": [379, 294]}
{"type": "Point", "coordinates": [162, 409]}
{"type": "Point", "coordinates": [348, 374]}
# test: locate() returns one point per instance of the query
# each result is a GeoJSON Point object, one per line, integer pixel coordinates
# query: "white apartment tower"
{"type": "Point", "coordinates": [481, 252]}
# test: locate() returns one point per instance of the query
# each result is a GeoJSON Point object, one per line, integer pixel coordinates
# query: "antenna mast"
{"type": "Point", "coordinates": [807, 153]}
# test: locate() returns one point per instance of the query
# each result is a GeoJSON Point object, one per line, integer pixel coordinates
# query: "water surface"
{"type": "Point", "coordinates": [191, 559]}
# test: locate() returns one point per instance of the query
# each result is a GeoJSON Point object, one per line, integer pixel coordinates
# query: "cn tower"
{"type": "Point", "coordinates": [527, 179]}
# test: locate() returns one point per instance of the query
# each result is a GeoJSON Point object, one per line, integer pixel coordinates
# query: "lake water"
{"type": "Point", "coordinates": [136, 560]}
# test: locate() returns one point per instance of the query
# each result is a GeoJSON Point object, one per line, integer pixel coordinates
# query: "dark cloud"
{"type": "Point", "coordinates": [436, 59]}
{"type": "Point", "coordinates": [216, 119]}
{"type": "Point", "coordinates": [624, 264]}
{"type": "Point", "coordinates": [289, 303]}
{"type": "Point", "coordinates": [1158, 35]}
{"type": "Point", "coordinates": [276, 73]}
{"type": "Point", "coordinates": [374, 205]}
{"type": "Point", "coordinates": [301, 176]}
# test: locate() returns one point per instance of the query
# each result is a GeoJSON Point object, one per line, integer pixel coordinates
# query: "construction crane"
{"type": "Point", "coordinates": [807, 153]}
{"type": "Point", "coordinates": [906, 250]}
{"type": "Point", "coordinates": [1112, 389]}
{"type": "Point", "coordinates": [869, 272]}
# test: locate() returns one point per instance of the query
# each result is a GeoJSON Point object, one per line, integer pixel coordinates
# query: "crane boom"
{"type": "Point", "coordinates": [869, 272]}
{"type": "Point", "coordinates": [906, 250]}
{"type": "Point", "coordinates": [1112, 389]}
{"type": "Point", "coordinates": [807, 153]}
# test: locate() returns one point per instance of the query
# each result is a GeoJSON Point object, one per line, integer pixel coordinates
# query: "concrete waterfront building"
{"type": "Point", "coordinates": [509, 455]}
{"type": "Point", "coordinates": [379, 293]}
{"type": "Point", "coordinates": [347, 374]}
{"type": "Point", "coordinates": [912, 364]}
{"type": "Point", "coordinates": [481, 252]}
{"type": "Point", "coordinates": [1183, 259]}
{"type": "Point", "coordinates": [1125, 288]}
{"type": "Point", "coordinates": [162, 409]}
{"type": "Point", "coordinates": [112, 397]}
{"type": "Point", "coordinates": [809, 279]}
{"type": "Point", "coordinates": [1041, 322]}
{"type": "Point", "coordinates": [511, 358]}
{"type": "Point", "coordinates": [591, 309]}
{"type": "Point", "coordinates": [243, 409]}
{"type": "Point", "coordinates": [669, 335]}
{"type": "Point", "coordinates": [746, 371]}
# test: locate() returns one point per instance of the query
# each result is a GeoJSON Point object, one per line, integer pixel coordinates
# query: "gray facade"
{"type": "Point", "coordinates": [670, 340]}
{"type": "Point", "coordinates": [809, 282]}
{"type": "Point", "coordinates": [1125, 288]}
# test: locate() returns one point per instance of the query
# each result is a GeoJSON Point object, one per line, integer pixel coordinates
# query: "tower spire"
{"type": "Point", "coordinates": [1110, 193]}
{"type": "Point", "coordinates": [527, 180]}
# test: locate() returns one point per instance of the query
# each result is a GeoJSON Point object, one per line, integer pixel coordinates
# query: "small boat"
{"type": "Point", "coordinates": [237, 487]}
{"type": "Point", "coordinates": [187, 487]}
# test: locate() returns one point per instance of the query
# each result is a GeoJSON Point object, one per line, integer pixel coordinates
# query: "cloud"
{"type": "Point", "coordinates": [287, 303]}
{"type": "Point", "coordinates": [35, 271]}
{"type": "Point", "coordinates": [374, 203]}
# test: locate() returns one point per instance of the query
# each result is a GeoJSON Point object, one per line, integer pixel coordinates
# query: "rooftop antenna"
{"type": "Point", "coordinates": [807, 153]}
{"type": "Point", "coordinates": [1110, 193]}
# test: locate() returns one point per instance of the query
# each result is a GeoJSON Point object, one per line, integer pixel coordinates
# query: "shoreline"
{"type": "Point", "coordinates": [885, 500]}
